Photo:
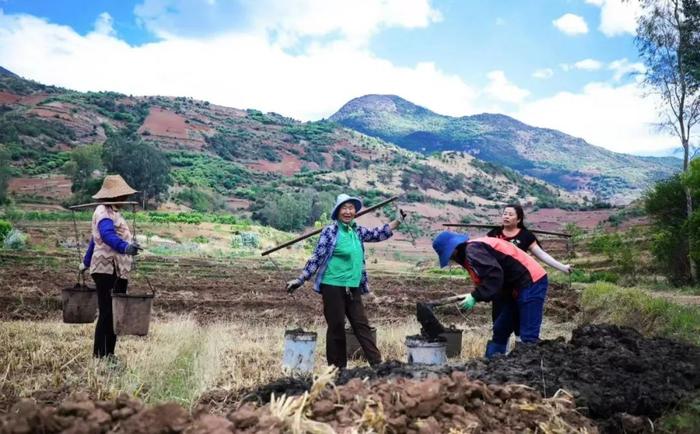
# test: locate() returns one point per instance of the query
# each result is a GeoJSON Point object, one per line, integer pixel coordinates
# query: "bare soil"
{"type": "Point", "coordinates": [617, 377]}
{"type": "Point", "coordinates": [400, 406]}
{"type": "Point", "coordinates": [217, 291]}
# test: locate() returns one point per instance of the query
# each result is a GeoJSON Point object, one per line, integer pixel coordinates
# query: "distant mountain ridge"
{"type": "Point", "coordinates": [4, 71]}
{"type": "Point", "coordinates": [248, 158]}
{"type": "Point", "coordinates": [547, 154]}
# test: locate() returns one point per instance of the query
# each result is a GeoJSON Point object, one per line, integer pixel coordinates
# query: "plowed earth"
{"type": "Point", "coordinates": [617, 377]}
{"type": "Point", "coordinates": [210, 290]}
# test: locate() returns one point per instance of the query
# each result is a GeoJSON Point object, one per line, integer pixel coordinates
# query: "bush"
{"type": "Point", "coordinates": [5, 228]}
{"type": "Point", "coordinates": [15, 240]}
{"type": "Point", "coordinates": [666, 207]}
{"type": "Point", "coordinates": [246, 239]}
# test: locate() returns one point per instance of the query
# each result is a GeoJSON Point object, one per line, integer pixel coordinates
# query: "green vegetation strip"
{"type": "Point", "coordinates": [634, 307]}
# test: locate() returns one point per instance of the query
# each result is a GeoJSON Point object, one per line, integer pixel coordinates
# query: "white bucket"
{"type": "Point", "coordinates": [299, 347]}
{"type": "Point", "coordinates": [425, 352]}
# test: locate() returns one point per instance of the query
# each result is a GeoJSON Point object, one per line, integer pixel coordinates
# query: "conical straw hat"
{"type": "Point", "coordinates": [114, 186]}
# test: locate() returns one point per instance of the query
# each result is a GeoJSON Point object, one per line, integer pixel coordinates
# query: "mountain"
{"type": "Point", "coordinates": [248, 158]}
{"type": "Point", "coordinates": [547, 154]}
{"type": "Point", "coordinates": [4, 71]}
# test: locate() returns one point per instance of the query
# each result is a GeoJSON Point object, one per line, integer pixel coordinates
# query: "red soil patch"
{"type": "Point", "coordinates": [9, 98]}
{"type": "Point", "coordinates": [289, 165]}
{"type": "Point", "coordinates": [234, 203]}
{"type": "Point", "coordinates": [556, 219]}
{"type": "Point", "coordinates": [33, 99]}
{"type": "Point", "coordinates": [161, 122]}
{"type": "Point", "coordinates": [52, 113]}
{"type": "Point", "coordinates": [55, 187]}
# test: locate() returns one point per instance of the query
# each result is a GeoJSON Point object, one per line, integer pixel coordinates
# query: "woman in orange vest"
{"type": "Point", "coordinates": [504, 275]}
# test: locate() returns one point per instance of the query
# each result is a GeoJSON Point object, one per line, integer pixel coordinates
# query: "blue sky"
{"type": "Point", "coordinates": [561, 64]}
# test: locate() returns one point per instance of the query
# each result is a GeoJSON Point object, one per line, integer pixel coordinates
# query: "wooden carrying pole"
{"type": "Point", "coordinates": [537, 231]}
{"type": "Point", "coordinates": [88, 205]}
{"type": "Point", "coordinates": [311, 234]}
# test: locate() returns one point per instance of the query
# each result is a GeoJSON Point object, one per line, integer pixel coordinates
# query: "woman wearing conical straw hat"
{"type": "Point", "coordinates": [109, 257]}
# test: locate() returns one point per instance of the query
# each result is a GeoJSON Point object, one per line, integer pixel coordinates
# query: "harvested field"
{"type": "Point", "coordinates": [54, 187]}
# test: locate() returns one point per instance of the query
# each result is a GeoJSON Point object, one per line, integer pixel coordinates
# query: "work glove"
{"type": "Point", "coordinates": [82, 268]}
{"type": "Point", "coordinates": [293, 285]}
{"type": "Point", "coordinates": [468, 302]}
{"type": "Point", "coordinates": [132, 249]}
{"type": "Point", "coordinates": [569, 268]}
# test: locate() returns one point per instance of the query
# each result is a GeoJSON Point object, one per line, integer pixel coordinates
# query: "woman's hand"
{"type": "Point", "coordinates": [293, 285]}
{"type": "Point", "coordinates": [400, 217]}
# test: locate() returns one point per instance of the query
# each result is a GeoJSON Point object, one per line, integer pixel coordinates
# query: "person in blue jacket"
{"type": "Point", "coordinates": [109, 257]}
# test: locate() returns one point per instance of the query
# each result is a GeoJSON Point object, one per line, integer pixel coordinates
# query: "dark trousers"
{"type": "Point", "coordinates": [339, 302]}
{"type": "Point", "coordinates": [105, 339]}
{"type": "Point", "coordinates": [522, 315]}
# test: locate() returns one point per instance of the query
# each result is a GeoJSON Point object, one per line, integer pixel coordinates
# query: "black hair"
{"type": "Point", "coordinates": [460, 254]}
{"type": "Point", "coordinates": [520, 213]}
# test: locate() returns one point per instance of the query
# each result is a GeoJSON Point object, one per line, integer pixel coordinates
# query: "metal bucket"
{"type": "Point", "coordinates": [352, 345]}
{"type": "Point", "coordinates": [299, 347]}
{"type": "Point", "coordinates": [79, 304]}
{"type": "Point", "coordinates": [454, 341]}
{"type": "Point", "coordinates": [131, 314]}
{"type": "Point", "coordinates": [422, 351]}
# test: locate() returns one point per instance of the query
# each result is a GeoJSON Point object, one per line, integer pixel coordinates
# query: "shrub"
{"type": "Point", "coordinates": [200, 239]}
{"type": "Point", "coordinates": [5, 228]}
{"type": "Point", "coordinates": [15, 240]}
{"type": "Point", "coordinates": [246, 239]}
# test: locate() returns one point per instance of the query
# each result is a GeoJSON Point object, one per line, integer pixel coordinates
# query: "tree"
{"type": "Point", "coordinates": [665, 205]}
{"type": "Point", "coordinates": [5, 172]}
{"type": "Point", "coordinates": [692, 31]}
{"type": "Point", "coordinates": [84, 163]}
{"type": "Point", "coordinates": [665, 38]}
{"type": "Point", "coordinates": [142, 166]}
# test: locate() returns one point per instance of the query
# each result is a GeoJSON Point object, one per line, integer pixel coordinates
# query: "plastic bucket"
{"type": "Point", "coordinates": [352, 345]}
{"type": "Point", "coordinates": [454, 341]}
{"type": "Point", "coordinates": [79, 304]}
{"type": "Point", "coordinates": [422, 351]}
{"type": "Point", "coordinates": [299, 347]}
{"type": "Point", "coordinates": [131, 314]}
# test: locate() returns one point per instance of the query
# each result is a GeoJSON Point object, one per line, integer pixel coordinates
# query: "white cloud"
{"type": "Point", "coordinates": [543, 73]}
{"type": "Point", "coordinates": [285, 21]}
{"type": "Point", "coordinates": [588, 65]}
{"type": "Point", "coordinates": [103, 25]}
{"type": "Point", "coordinates": [619, 118]}
{"type": "Point", "coordinates": [247, 70]}
{"type": "Point", "coordinates": [501, 89]}
{"type": "Point", "coordinates": [617, 17]}
{"type": "Point", "coordinates": [623, 68]}
{"type": "Point", "coordinates": [571, 24]}
{"type": "Point", "coordinates": [237, 70]}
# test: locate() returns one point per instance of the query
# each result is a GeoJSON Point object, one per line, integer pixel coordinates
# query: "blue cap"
{"type": "Point", "coordinates": [340, 200]}
{"type": "Point", "coordinates": [445, 244]}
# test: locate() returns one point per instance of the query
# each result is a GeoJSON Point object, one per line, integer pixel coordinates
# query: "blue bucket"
{"type": "Point", "coordinates": [299, 347]}
{"type": "Point", "coordinates": [422, 351]}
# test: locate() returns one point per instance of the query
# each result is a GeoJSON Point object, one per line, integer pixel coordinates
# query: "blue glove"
{"type": "Point", "coordinates": [468, 302]}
